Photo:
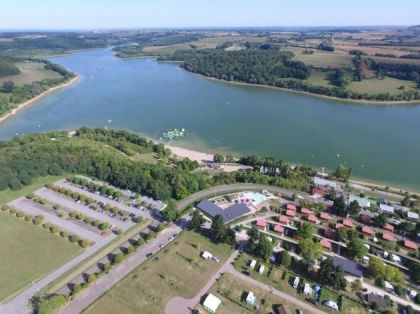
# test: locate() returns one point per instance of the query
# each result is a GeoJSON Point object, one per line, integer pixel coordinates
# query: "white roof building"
{"type": "Point", "coordinates": [211, 303]}
{"type": "Point", "coordinates": [412, 215]}
{"type": "Point", "coordinates": [307, 289]}
{"type": "Point", "coordinates": [261, 270]}
{"type": "Point", "coordinates": [362, 201]}
{"type": "Point", "coordinates": [253, 263]}
{"type": "Point", "coordinates": [206, 255]}
{"type": "Point", "coordinates": [325, 182]}
{"type": "Point", "coordinates": [250, 298]}
{"type": "Point", "coordinates": [386, 208]}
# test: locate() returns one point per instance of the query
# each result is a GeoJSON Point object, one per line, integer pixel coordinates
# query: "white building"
{"type": "Point", "coordinates": [211, 303]}
{"type": "Point", "coordinates": [253, 263]}
{"type": "Point", "coordinates": [362, 201]}
{"type": "Point", "coordinates": [412, 215]}
{"type": "Point", "coordinates": [386, 208]}
{"type": "Point", "coordinates": [250, 298]}
{"type": "Point", "coordinates": [206, 255]}
{"type": "Point", "coordinates": [324, 182]}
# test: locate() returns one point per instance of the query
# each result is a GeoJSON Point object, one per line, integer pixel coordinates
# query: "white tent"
{"type": "Point", "coordinates": [211, 303]}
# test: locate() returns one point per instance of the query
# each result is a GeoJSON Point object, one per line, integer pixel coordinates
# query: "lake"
{"type": "Point", "coordinates": [380, 143]}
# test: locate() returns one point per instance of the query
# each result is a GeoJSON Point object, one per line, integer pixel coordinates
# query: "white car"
{"type": "Point", "coordinates": [296, 282]}
{"type": "Point", "coordinates": [331, 304]}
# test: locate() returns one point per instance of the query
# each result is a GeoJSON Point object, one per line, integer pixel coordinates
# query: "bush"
{"type": "Point", "coordinates": [54, 229]}
{"type": "Point", "coordinates": [141, 241]}
{"type": "Point", "coordinates": [131, 249]}
{"type": "Point", "coordinates": [107, 267]}
{"type": "Point", "coordinates": [84, 243]}
{"type": "Point", "coordinates": [12, 211]}
{"type": "Point", "coordinates": [138, 219]}
{"type": "Point", "coordinates": [20, 214]}
{"type": "Point", "coordinates": [46, 225]}
{"type": "Point", "coordinates": [118, 258]}
{"type": "Point", "coordinates": [73, 238]}
{"type": "Point", "coordinates": [76, 289]}
{"type": "Point", "coordinates": [91, 278]}
{"type": "Point", "coordinates": [38, 220]}
{"type": "Point", "coordinates": [5, 208]}
{"type": "Point", "coordinates": [50, 304]}
{"type": "Point", "coordinates": [151, 235]}
{"type": "Point", "coordinates": [28, 218]}
{"type": "Point", "coordinates": [64, 234]}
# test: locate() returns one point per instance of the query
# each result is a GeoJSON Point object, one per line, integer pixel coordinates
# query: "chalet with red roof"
{"type": "Point", "coordinates": [367, 230]}
{"type": "Point", "coordinates": [325, 244]}
{"type": "Point", "coordinates": [324, 216]}
{"type": "Point", "coordinates": [262, 224]}
{"type": "Point", "coordinates": [284, 219]}
{"type": "Point", "coordinates": [312, 218]}
{"type": "Point", "coordinates": [290, 213]}
{"type": "Point", "coordinates": [410, 245]}
{"type": "Point", "coordinates": [348, 223]}
{"type": "Point", "coordinates": [279, 229]}
{"type": "Point", "coordinates": [388, 236]}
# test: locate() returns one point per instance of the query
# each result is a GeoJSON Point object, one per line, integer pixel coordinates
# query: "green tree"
{"type": "Point", "coordinates": [118, 258]}
{"type": "Point", "coordinates": [218, 230]}
{"type": "Point", "coordinates": [406, 201]}
{"type": "Point", "coordinates": [218, 158]}
{"type": "Point", "coordinates": [305, 230]}
{"type": "Point", "coordinates": [354, 208]}
{"type": "Point", "coordinates": [356, 285]}
{"type": "Point", "coordinates": [379, 220]}
{"type": "Point", "coordinates": [376, 268]}
{"type": "Point", "coordinates": [196, 221]}
{"type": "Point", "coordinates": [150, 235]}
{"type": "Point", "coordinates": [356, 248]}
{"type": "Point", "coordinates": [285, 259]}
{"type": "Point", "coordinates": [91, 278]}
{"type": "Point", "coordinates": [310, 250]}
{"type": "Point", "coordinates": [342, 173]}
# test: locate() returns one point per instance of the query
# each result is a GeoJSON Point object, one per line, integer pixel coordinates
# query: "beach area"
{"type": "Point", "coordinates": [29, 102]}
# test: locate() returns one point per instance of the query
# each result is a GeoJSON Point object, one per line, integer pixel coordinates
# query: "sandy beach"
{"type": "Point", "coordinates": [31, 101]}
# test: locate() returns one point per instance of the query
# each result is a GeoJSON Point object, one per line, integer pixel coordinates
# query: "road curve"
{"type": "Point", "coordinates": [232, 188]}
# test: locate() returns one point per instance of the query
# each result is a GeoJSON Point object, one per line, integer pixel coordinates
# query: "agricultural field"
{"type": "Point", "coordinates": [232, 292]}
{"type": "Point", "coordinates": [28, 252]}
{"type": "Point", "coordinates": [322, 59]}
{"type": "Point", "coordinates": [30, 72]}
{"type": "Point", "coordinates": [387, 85]}
{"type": "Point", "coordinates": [178, 270]}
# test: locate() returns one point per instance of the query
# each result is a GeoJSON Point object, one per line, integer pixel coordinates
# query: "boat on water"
{"type": "Point", "coordinates": [173, 134]}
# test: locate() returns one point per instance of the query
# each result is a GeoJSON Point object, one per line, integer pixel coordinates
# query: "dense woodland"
{"type": "Point", "coordinates": [7, 68]}
{"type": "Point", "coordinates": [257, 66]}
{"type": "Point", "coordinates": [89, 153]}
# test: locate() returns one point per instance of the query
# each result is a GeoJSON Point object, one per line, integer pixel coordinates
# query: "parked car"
{"type": "Point", "coordinates": [331, 304]}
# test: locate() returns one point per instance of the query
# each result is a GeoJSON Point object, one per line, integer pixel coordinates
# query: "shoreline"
{"type": "Point", "coordinates": [29, 102]}
{"type": "Point", "coordinates": [348, 100]}
{"type": "Point", "coordinates": [204, 157]}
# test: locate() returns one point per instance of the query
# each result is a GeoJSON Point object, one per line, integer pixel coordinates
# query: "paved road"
{"type": "Point", "coordinates": [235, 187]}
{"type": "Point", "coordinates": [94, 291]}
{"type": "Point", "coordinates": [70, 205]}
{"type": "Point", "coordinates": [179, 305]}
{"type": "Point", "coordinates": [30, 208]}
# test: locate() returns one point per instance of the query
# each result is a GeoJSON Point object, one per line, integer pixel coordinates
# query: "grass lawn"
{"type": "Point", "coordinates": [30, 72]}
{"type": "Point", "coordinates": [7, 196]}
{"type": "Point", "coordinates": [323, 59]}
{"type": "Point", "coordinates": [376, 86]}
{"type": "Point", "coordinates": [277, 279]}
{"type": "Point", "coordinates": [28, 252]}
{"type": "Point", "coordinates": [178, 270]}
{"type": "Point", "coordinates": [232, 292]}
{"type": "Point", "coordinates": [319, 78]}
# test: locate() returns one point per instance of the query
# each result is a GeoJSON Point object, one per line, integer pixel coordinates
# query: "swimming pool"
{"type": "Point", "coordinates": [256, 198]}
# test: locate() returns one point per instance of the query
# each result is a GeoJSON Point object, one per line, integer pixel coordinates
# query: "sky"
{"type": "Point", "coordinates": [97, 14]}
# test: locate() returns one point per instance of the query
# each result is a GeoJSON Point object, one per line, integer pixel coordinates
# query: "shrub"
{"type": "Point", "coordinates": [54, 229]}
{"type": "Point", "coordinates": [73, 238]}
{"type": "Point", "coordinates": [38, 220]}
{"type": "Point", "coordinates": [131, 249]}
{"type": "Point", "coordinates": [5, 207]}
{"type": "Point", "coordinates": [76, 289]}
{"type": "Point", "coordinates": [46, 226]}
{"type": "Point", "coordinates": [64, 234]}
{"type": "Point", "coordinates": [160, 227]}
{"type": "Point", "coordinates": [12, 211]}
{"type": "Point", "coordinates": [138, 219]}
{"type": "Point", "coordinates": [141, 241]}
{"type": "Point", "coordinates": [20, 214]}
{"type": "Point", "coordinates": [50, 304]}
{"type": "Point", "coordinates": [28, 218]}
{"type": "Point", "coordinates": [84, 243]}
{"type": "Point", "coordinates": [107, 267]}
{"type": "Point", "coordinates": [118, 258]}
{"type": "Point", "coordinates": [91, 278]}
{"type": "Point", "coordinates": [151, 235]}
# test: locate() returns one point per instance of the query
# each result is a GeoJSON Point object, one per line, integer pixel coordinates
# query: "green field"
{"type": "Point", "coordinates": [28, 252]}
{"type": "Point", "coordinates": [30, 72]}
{"type": "Point", "coordinates": [376, 86]}
{"type": "Point", "coordinates": [178, 270]}
{"type": "Point", "coordinates": [7, 195]}
{"type": "Point", "coordinates": [321, 58]}
{"type": "Point", "coordinates": [231, 291]}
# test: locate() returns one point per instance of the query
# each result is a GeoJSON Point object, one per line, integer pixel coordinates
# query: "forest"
{"type": "Point", "coordinates": [256, 66]}
{"type": "Point", "coordinates": [56, 153]}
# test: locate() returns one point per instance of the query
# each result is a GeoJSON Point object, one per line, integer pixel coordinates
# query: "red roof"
{"type": "Point", "coordinates": [338, 226]}
{"type": "Point", "coordinates": [318, 191]}
{"type": "Point", "coordinates": [365, 219]}
{"type": "Point", "coordinates": [329, 233]}
{"type": "Point", "coordinates": [324, 215]}
{"type": "Point", "coordinates": [326, 244]}
{"type": "Point", "coordinates": [389, 227]}
{"type": "Point", "coordinates": [261, 223]}
{"type": "Point", "coordinates": [388, 236]}
{"type": "Point", "coordinates": [291, 206]}
{"type": "Point", "coordinates": [410, 244]}
{"type": "Point", "coordinates": [366, 229]}
{"type": "Point", "coordinates": [279, 228]}
{"type": "Point", "coordinates": [305, 211]}
{"type": "Point", "coordinates": [312, 218]}
{"type": "Point", "coordinates": [348, 223]}
{"type": "Point", "coordinates": [290, 213]}
{"type": "Point", "coordinates": [284, 219]}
